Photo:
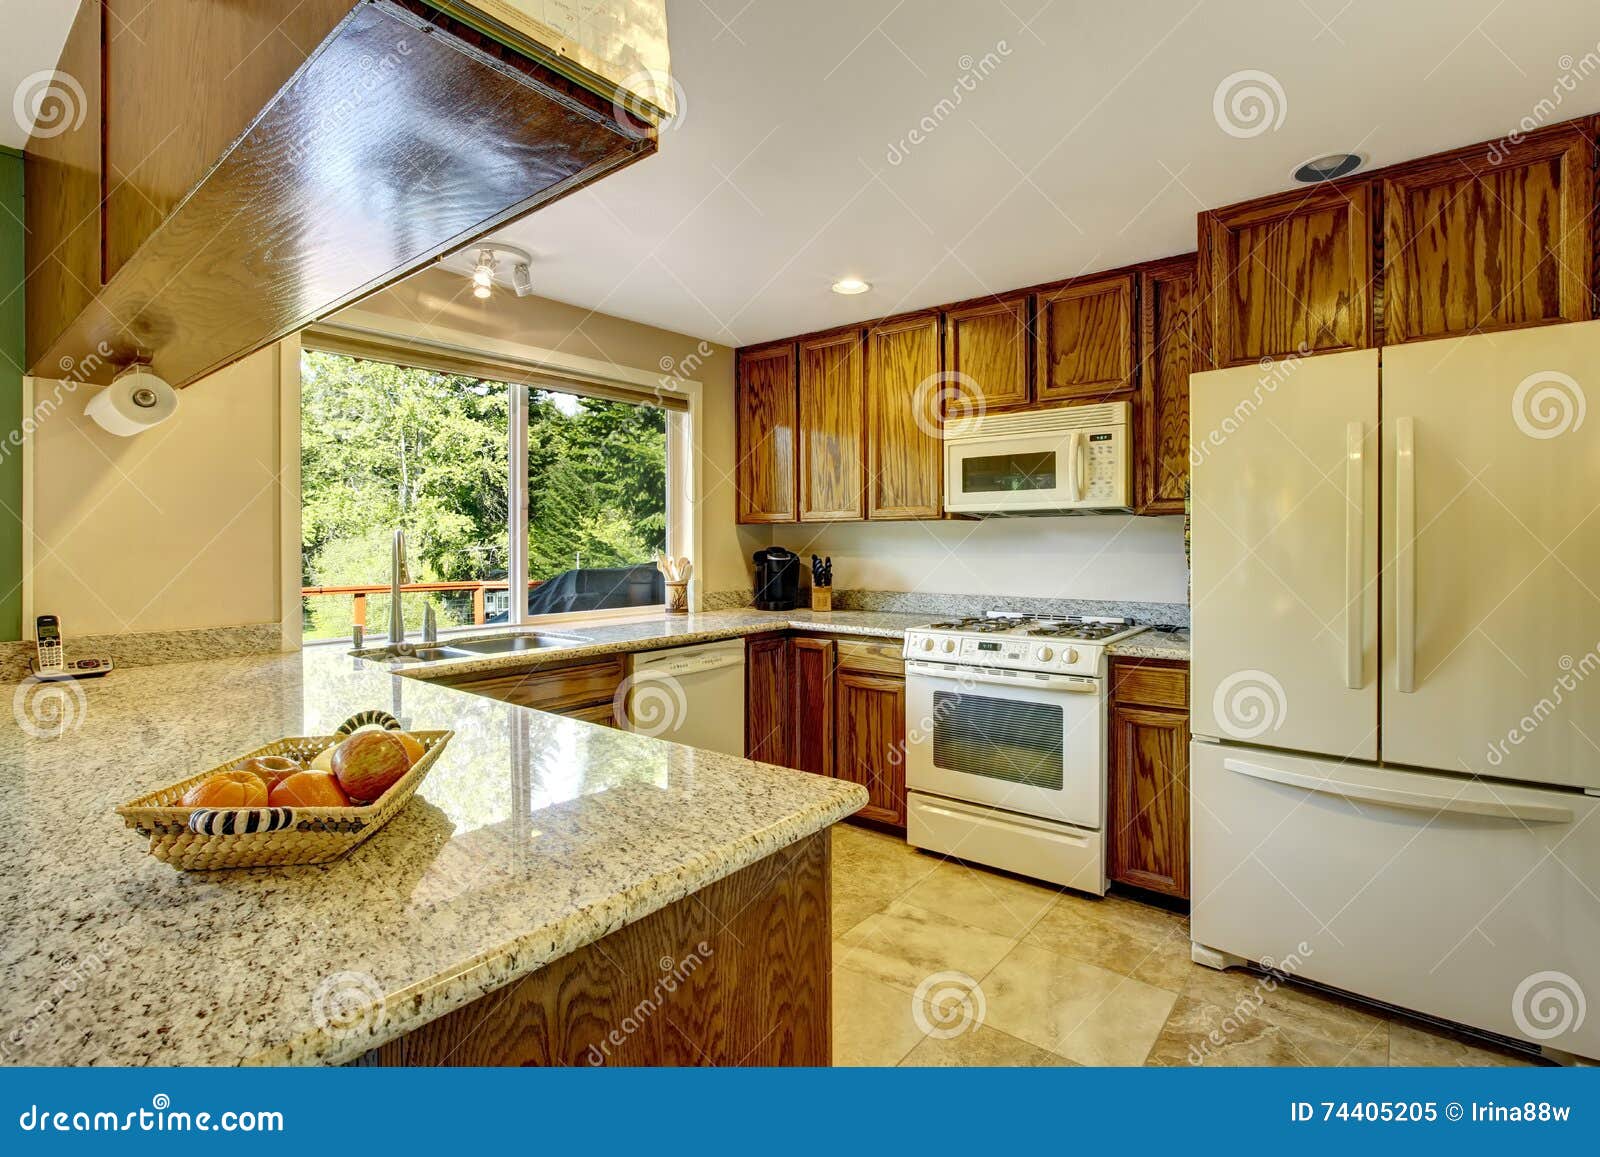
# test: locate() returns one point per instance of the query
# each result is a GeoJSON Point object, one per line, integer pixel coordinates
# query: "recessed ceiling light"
{"type": "Point", "coordinates": [850, 286]}
{"type": "Point", "coordinates": [1328, 168]}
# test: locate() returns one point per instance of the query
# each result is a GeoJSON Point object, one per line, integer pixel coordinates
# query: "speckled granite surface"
{"type": "Point", "coordinates": [927, 603]}
{"type": "Point", "coordinates": [532, 836]}
{"type": "Point", "coordinates": [1154, 645]}
{"type": "Point", "coordinates": [147, 648]}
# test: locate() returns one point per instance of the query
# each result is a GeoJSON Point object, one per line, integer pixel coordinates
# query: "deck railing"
{"type": "Point", "coordinates": [359, 593]}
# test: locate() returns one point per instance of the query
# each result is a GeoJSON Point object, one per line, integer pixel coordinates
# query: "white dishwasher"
{"type": "Point", "coordinates": [690, 695]}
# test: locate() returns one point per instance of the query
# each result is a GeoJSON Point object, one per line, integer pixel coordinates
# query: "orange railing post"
{"type": "Point", "coordinates": [477, 605]}
{"type": "Point", "coordinates": [361, 609]}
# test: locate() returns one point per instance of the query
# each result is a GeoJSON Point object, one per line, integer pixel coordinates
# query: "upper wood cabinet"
{"type": "Point", "coordinates": [1084, 339]}
{"type": "Point", "coordinates": [987, 357]}
{"type": "Point", "coordinates": [1161, 413]}
{"type": "Point", "coordinates": [905, 456]}
{"type": "Point", "coordinates": [1489, 239]}
{"type": "Point", "coordinates": [832, 417]}
{"type": "Point", "coordinates": [766, 478]}
{"type": "Point", "coordinates": [1286, 275]}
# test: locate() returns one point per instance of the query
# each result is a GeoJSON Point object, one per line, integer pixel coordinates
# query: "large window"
{"type": "Point", "coordinates": [386, 446]}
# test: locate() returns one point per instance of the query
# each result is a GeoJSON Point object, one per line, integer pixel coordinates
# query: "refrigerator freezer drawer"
{"type": "Point", "coordinates": [1469, 901]}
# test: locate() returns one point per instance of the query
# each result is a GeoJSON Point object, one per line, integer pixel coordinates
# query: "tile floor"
{"type": "Point", "coordinates": [1064, 979]}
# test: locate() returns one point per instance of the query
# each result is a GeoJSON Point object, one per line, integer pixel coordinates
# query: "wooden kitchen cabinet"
{"type": "Point", "coordinates": [870, 741]}
{"type": "Point", "coordinates": [767, 704]}
{"type": "Point", "coordinates": [988, 357]}
{"type": "Point", "coordinates": [1148, 777]}
{"type": "Point", "coordinates": [766, 474]}
{"type": "Point", "coordinates": [1490, 239]}
{"type": "Point", "coordinates": [1286, 275]}
{"type": "Point", "coordinates": [811, 704]}
{"type": "Point", "coordinates": [1084, 339]}
{"type": "Point", "coordinates": [905, 456]}
{"type": "Point", "coordinates": [1161, 411]}
{"type": "Point", "coordinates": [583, 690]}
{"type": "Point", "coordinates": [832, 417]}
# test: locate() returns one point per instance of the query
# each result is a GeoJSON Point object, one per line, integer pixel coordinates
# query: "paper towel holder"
{"type": "Point", "coordinates": [143, 396]}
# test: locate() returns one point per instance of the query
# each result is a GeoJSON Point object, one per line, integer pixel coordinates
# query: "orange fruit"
{"type": "Point", "coordinates": [411, 743]}
{"type": "Point", "coordinates": [309, 789]}
{"type": "Point", "coordinates": [233, 788]}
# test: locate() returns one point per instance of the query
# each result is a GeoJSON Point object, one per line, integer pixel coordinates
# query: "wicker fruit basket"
{"type": "Point", "coordinates": [192, 838]}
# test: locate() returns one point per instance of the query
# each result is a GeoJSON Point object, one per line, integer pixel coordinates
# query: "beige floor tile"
{"type": "Point", "coordinates": [904, 945]}
{"type": "Point", "coordinates": [982, 1047]}
{"type": "Point", "coordinates": [984, 899]}
{"type": "Point", "coordinates": [872, 1022]}
{"type": "Point", "coordinates": [1087, 1014]}
{"type": "Point", "coordinates": [851, 906]}
{"type": "Point", "coordinates": [871, 867]}
{"type": "Point", "coordinates": [1421, 1046]}
{"type": "Point", "coordinates": [1133, 939]}
{"type": "Point", "coordinates": [1317, 1028]}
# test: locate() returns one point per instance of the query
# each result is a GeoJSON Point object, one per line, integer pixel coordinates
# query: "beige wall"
{"type": "Point", "coordinates": [175, 528]}
{"type": "Point", "coordinates": [442, 301]}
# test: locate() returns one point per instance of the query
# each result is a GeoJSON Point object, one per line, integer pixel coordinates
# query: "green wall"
{"type": "Point", "coordinates": [12, 355]}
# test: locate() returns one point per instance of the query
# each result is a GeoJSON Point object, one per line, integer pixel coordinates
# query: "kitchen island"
{"type": "Point", "coordinates": [558, 892]}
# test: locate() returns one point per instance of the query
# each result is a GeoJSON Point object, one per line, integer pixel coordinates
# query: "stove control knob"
{"type": "Point", "coordinates": [1046, 654]}
{"type": "Point", "coordinates": [949, 644]}
{"type": "Point", "coordinates": [1072, 654]}
{"type": "Point", "coordinates": [927, 644]}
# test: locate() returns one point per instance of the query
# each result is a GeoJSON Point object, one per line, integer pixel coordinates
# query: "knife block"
{"type": "Point", "coordinates": [821, 598]}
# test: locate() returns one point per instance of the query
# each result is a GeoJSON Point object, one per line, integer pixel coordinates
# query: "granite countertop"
{"type": "Point", "coordinates": [532, 836]}
{"type": "Point", "coordinates": [1154, 645]}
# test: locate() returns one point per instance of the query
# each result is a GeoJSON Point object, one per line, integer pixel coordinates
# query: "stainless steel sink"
{"type": "Point", "coordinates": [470, 648]}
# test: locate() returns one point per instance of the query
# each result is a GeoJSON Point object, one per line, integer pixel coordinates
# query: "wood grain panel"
{"type": "Point", "coordinates": [871, 734]}
{"type": "Point", "coordinates": [766, 475]}
{"type": "Point", "coordinates": [747, 982]}
{"type": "Point", "coordinates": [1166, 349]}
{"type": "Point", "coordinates": [1084, 339]}
{"type": "Point", "coordinates": [1490, 239]}
{"type": "Point", "coordinates": [587, 684]}
{"type": "Point", "coordinates": [1150, 683]}
{"type": "Point", "coordinates": [1148, 804]}
{"type": "Point", "coordinates": [283, 229]}
{"type": "Point", "coordinates": [987, 352]}
{"type": "Point", "coordinates": [1288, 275]}
{"type": "Point", "coordinates": [767, 700]}
{"type": "Point", "coordinates": [905, 455]}
{"type": "Point", "coordinates": [832, 428]}
{"type": "Point", "coordinates": [872, 656]}
{"type": "Point", "coordinates": [811, 713]}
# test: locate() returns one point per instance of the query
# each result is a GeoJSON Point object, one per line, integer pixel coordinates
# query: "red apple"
{"type": "Point", "coordinates": [369, 763]}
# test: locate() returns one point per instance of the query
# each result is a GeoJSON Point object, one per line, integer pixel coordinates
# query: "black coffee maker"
{"type": "Point", "coordinates": [777, 579]}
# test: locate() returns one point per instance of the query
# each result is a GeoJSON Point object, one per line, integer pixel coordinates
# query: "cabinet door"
{"type": "Point", "coordinates": [832, 414]}
{"type": "Point", "coordinates": [871, 728]}
{"type": "Point", "coordinates": [1149, 799]}
{"type": "Point", "coordinates": [1287, 275]}
{"type": "Point", "coordinates": [986, 357]}
{"type": "Point", "coordinates": [766, 436]}
{"type": "Point", "coordinates": [1083, 339]}
{"type": "Point", "coordinates": [1166, 298]}
{"type": "Point", "coordinates": [1480, 240]}
{"type": "Point", "coordinates": [766, 700]}
{"type": "Point", "coordinates": [812, 714]}
{"type": "Point", "coordinates": [905, 455]}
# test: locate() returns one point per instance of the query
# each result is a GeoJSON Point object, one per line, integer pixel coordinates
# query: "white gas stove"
{"type": "Point", "coordinates": [1006, 742]}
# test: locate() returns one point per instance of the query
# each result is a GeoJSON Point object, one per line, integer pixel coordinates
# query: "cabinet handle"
{"type": "Point", "coordinates": [1405, 562]}
{"type": "Point", "coordinates": [1355, 521]}
{"type": "Point", "coordinates": [1073, 493]}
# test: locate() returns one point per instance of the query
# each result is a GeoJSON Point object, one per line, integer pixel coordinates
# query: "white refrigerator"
{"type": "Point", "coordinates": [1396, 676]}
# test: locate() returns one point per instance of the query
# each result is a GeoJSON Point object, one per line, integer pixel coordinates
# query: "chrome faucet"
{"type": "Point", "coordinates": [398, 577]}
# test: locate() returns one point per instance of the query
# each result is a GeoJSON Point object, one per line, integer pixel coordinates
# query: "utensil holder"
{"type": "Point", "coordinates": [677, 598]}
{"type": "Point", "coordinates": [822, 598]}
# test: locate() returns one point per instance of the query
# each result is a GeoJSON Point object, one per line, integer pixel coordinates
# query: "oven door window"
{"type": "Point", "coordinates": [1013, 472]}
{"type": "Point", "coordinates": [1016, 741]}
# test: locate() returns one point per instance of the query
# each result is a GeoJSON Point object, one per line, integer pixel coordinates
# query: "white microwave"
{"type": "Point", "coordinates": [1066, 460]}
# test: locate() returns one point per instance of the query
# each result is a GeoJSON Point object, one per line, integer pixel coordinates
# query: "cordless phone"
{"type": "Point", "coordinates": [50, 660]}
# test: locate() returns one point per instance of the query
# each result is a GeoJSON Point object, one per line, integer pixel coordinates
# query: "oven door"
{"type": "Point", "coordinates": [1015, 740]}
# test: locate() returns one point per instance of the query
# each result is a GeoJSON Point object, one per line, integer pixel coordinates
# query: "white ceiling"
{"type": "Point", "coordinates": [35, 32]}
{"type": "Point", "coordinates": [1091, 142]}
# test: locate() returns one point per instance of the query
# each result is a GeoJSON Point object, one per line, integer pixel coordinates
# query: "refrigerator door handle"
{"type": "Point", "coordinates": [1405, 560]}
{"type": "Point", "coordinates": [1461, 804]}
{"type": "Point", "coordinates": [1355, 521]}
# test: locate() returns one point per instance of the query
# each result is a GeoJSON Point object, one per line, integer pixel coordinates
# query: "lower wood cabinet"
{"type": "Point", "coordinates": [1148, 778]}
{"type": "Point", "coordinates": [583, 690]}
{"type": "Point", "coordinates": [834, 707]}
